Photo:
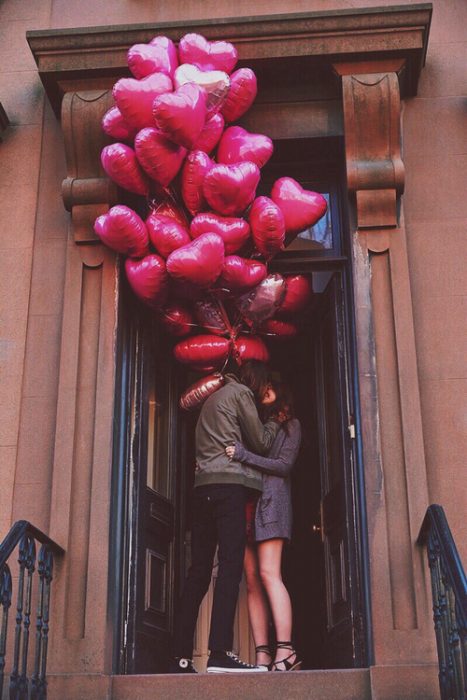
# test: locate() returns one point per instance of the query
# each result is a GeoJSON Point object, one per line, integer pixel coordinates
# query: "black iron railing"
{"type": "Point", "coordinates": [23, 538]}
{"type": "Point", "coordinates": [449, 587]}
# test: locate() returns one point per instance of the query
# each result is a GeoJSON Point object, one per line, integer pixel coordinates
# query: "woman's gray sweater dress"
{"type": "Point", "coordinates": [274, 509]}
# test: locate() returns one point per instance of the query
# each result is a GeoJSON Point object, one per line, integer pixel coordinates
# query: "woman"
{"type": "Point", "coordinates": [272, 527]}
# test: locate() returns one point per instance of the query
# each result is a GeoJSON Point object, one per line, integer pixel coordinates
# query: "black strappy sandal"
{"type": "Point", "coordinates": [289, 665]}
{"type": "Point", "coordinates": [266, 650]}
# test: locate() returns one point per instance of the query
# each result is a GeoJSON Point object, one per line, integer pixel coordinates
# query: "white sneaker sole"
{"type": "Point", "coordinates": [220, 669]}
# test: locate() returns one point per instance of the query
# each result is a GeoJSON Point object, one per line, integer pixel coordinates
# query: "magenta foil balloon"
{"type": "Point", "coordinates": [159, 56]}
{"type": "Point", "coordinates": [278, 329]}
{"type": "Point", "coordinates": [267, 226]}
{"type": "Point", "coordinates": [229, 189]}
{"type": "Point", "coordinates": [160, 158]}
{"type": "Point", "coordinates": [181, 115]}
{"type": "Point", "coordinates": [209, 316]}
{"type": "Point", "coordinates": [196, 167]}
{"type": "Point", "coordinates": [124, 231]}
{"type": "Point", "coordinates": [215, 84]}
{"type": "Point", "coordinates": [207, 55]}
{"type": "Point", "coordinates": [263, 301]}
{"type": "Point", "coordinates": [210, 135]}
{"type": "Point", "coordinates": [301, 208]}
{"type": "Point", "coordinates": [166, 234]}
{"type": "Point", "coordinates": [134, 98]}
{"type": "Point", "coordinates": [200, 262]}
{"type": "Point", "coordinates": [238, 145]}
{"type": "Point", "coordinates": [177, 319]}
{"type": "Point", "coordinates": [208, 350]}
{"type": "Point", "coordinates": [114, 125]}
{"type": "Point", "coordinates": [121, 165]}
{"type": "Point", "coordinates": [241, 273]}
{"type": "Point", "coordinates": [249, 347]}
{"type": "Point", "coordinates": [148, 279]}
{"type": "Point", "coordinates": [242, 93]}
{"type": "Point", "coordinates": [197, 393]}
{"type": "Point", "coordinates": [298, 293]}
{"type": "Point", "coordinates": [234, 231]}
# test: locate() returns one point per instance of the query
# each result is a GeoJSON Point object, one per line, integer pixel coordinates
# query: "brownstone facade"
{"type": "Point", "coordinates": [408, 214]}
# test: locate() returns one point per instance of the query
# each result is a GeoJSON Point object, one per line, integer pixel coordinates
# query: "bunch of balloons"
{"type": "Point", "coordinates": [200, 258]}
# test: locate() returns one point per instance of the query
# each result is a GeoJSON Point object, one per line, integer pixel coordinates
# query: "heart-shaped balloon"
{"type": "Point", "coordinates": [202, 350]}
{"type": "Point", "coordinates": [210, 317]}
{"type": "Point", "coordinates": [215, 83]}
{"type": "Point", "coordinates": [200, 262]}
{"type": "Point", "coordinates": [134, 98]}
{"type": "Point", "coordinates": [301, 208]}
{"type": "Point", "coordinates": [275, 328]}
{"type": "Point", "coordinates": [211, 133]}
{"type": "Point", "coordinates": [148, 279]}
{"type": "Point", "coordinates": [241, 273]}
{"type": "Point", "coordinates": [159, 56]}
{"type": "Point", "coordinates": [197, 165]}
{"type": "Point", "coordinates": [238, 145]}
{"type": "Point", "coordinates": [263, 301]}
{"type": "Point", "coordinates": [177, 319]}
{"type": "Point", "coordinates": [114, 125]}
{"type": "Point", "coordinates": [166, 234]}
{"type": "Point", "coordinates": [207, 55]}
{"type": "Point", "coordinates": [229, 189]}
{"type": "Point", "coordinates": [160, 158]}
{"type": "Point", "coordinates": [242, 93]}
{"type": "Point", "coordinates": [267, 226]}
{"type": "Point", "coordinates": [121, 165]}
{"type": "Point", "coordinates": [169, 207]}
{"type": "Point", "coordinates": [233, 231]}
{"type": "Point", "coordinates": [197, 393]}
{"type": "Point", "coordinates": [124, 231]}
{"type": "Point", "coordinates": [181, 115]}
{"type": "Point", "coordinates": [298, 292]}
{"type": "Point", "coordinates": [249, 347]}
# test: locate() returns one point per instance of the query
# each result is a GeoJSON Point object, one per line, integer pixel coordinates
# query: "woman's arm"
{"type": "Point", "coordinates": [277, 466]}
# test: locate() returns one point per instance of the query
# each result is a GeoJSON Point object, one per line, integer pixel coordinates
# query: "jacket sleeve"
{"type": "Point", "coordinates": [277, 466]}
{"type": "Point", "coordinates": [257, 436]}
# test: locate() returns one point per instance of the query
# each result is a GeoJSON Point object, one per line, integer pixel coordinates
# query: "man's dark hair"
{"type": "Point", "coordinates": [255, 375]}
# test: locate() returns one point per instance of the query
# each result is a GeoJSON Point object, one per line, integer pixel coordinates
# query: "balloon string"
{"type": "Point", "coordinates": [194, 325]}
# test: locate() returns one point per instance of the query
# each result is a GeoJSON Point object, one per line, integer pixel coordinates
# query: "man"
{"type": "Point", "coordinates": [221, 488]}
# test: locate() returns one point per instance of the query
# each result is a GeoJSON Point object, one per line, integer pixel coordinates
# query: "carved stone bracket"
{"type": "Point", "coordinates": [375, 171]}
{"type": "Point", "coordinates": [87, 192]}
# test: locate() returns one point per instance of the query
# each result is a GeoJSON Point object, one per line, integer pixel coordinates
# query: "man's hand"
{"type": "Point", "coordinates": [230, 451]}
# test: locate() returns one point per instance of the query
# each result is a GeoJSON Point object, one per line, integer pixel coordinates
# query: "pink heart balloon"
{"type": "Point", "coordinates": [200, 262]}
{"type": "Point", "coordinates": [202, 350]}
{"type": "Point", "coordinates": [114, 125]}
{"type": "Point", "coordinates": [298, 292]}
{"type": "Point", "coordinates": [215, 83]}
{"type": "Point", "coordinates": [197, 393]}
{"type": "Point", "coordinates": [159, 56]}
{"type": "Point", "coordinates": [148, 279]}
{"type": "Point", "coordinates": [134, 98]}
{"type": "Point", "coordinates": [267, 226]}
{"type": "Point", "coordinates": [177, 319]}
{"type": "Point", "coordinates": [195, 169]}
{"type": "Point", "coordinates": [124, 231]}
{"type": "Point", "coordinates": [233, 231]}
{"type": "Point", "coordinates": [263, 301]}
{"type": "Point", "coordinates": [282, 330]}
{"type": "Point", "coordinates": [209, 316]}
{"type": "Point", "coordinates": [207, 55]}
{"type": "Point", "coordinates": [242, 93]}
{"type": "Point", "coordinates": [238, 145]}
{"type": "Point", "coordinates": [181, 115]}
{"type": "Point", "coordinates": [121, 165]}
{"type": "Point", "coordinates": [301, 208]}
{"type": "Point", "coordinates": [168, 207]}
{"type": "Point", "coordinates": [229, 189]}
{"type": "Point", "coordinates": [160, 158]}
{"type": "Point", "coordinates": [249, 347]}
{"type": "Point", "coordinates": [240, 273]}
{"type": "Point", "coordinates": [211, 133]}
{"type": "Point", "coordinates": [166, 234]}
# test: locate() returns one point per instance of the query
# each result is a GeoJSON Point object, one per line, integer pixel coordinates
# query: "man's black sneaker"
{"type": "Point", "coordinates": [182, 665]}
{"type": "Point", "coordinates": [228, 662]}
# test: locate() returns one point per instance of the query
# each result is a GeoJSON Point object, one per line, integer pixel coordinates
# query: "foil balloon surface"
{"type": "Point", "coordinates": [197, 393]}
{"type": "Point", "coordinates": [249, 347]}
{"type": "Point", "coordinates": [299, 290]}
{"type": "Point", "coordinates": [134, 98]}
{"type": "Point", "coordinates": [207, 55]}
{"type": "Point", "coordinates": [159, 56]}
{"type": "Point", "coordinates": [238, 145]}
{"type": "Point", "coordinates": [301, 208]}
{"type": "Point", "coordinates": [229, 189]}
{"type": "Point", "coordinates": [200, 262]}
{"type": "Point", "coordinates": [204, 350]}
{"type": "Point", "coordinates": [241, 273]}
{"type": "Point", "coordinates": [263, 301]}
{"type": "Point", "coordinates": [209, 316]}
{"type": "Point", "coordinates": [160, 158]}
{"type": "Point", "coordinates": [114, 125]}
{"type": "Point", "coordinates": [148, 279]}
{"type": "Point", "coordinates": [234, 231]}
{"type": "Point", "coordinates": [267, 226]}
{"type": "Point", "coordinates": [124, 231]}
{"type": "Point", "coordinates": [196, 167]}
{"type": "Point", "coordinates": [242, 93]}
{"type": "Point", "coordinates": [211, 133]}
{"type": "Point", "coordinates": [177, 319]}
{"type": "Point", "coordinates": [166, 234]}
{"type": "Point", "coordinates": [282, 330]}
{"type": "Point", "coordinates": [181, 115]}
{"type": "Point", "coordinates": [122, 166]}
{"type": "Point", "coordinates": [215, 83]}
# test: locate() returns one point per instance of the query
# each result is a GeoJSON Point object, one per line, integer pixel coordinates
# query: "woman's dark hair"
{"type": "Point", "coordinates": [255, 375]}
{"type": "Point", "coordinates": [284, 403]}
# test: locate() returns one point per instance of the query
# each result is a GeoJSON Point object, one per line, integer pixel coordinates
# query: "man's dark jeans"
{"type": "Point", "coordinates": [218, 519]}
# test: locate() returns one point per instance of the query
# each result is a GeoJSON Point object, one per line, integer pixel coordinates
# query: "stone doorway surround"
{"type": "Point", "coordinates": [375, 57]}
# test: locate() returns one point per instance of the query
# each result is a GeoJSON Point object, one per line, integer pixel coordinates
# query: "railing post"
{"type": "Point", "coordinates": [5, 602]}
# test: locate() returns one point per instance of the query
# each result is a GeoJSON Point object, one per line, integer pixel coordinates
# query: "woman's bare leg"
{"type": "Point", "coordinates": [269, 558]}
{"type": "Point", "coordinates": [257, 604]}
